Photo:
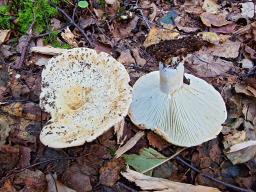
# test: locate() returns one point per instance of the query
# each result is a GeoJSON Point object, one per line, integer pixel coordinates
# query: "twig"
{"type": "Point", "coordinates": [72, 22]}
{"type": "Point", "coordinates": [25, 48]}
{"type": "Point", "coordinates": [33, 165]}
{"type": "Point", "coordinates": [212, 178]}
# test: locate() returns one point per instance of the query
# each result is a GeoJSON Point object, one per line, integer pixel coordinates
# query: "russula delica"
{"type": "Point", "coordinates": [86, 93]}
{"type": "Point", "coordinates": [184, 114]}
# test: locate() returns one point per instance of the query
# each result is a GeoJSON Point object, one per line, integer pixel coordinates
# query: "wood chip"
{"type": "Point", "coordinates": [4, 35]}
{"type": "Point", "coordinates": [47, 50]}
{"type": "Point", "coordinates": [129, 144]}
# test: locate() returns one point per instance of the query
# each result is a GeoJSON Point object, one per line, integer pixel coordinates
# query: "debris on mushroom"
{"type": "Point", "coordinates": [184, 113]}
{"type": "Point", "coordinates": [86, 93]}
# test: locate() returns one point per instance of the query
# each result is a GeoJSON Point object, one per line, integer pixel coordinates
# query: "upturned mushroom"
{"type": "Point", "coordinates": [86, 93]}
{"type": "Point", "coordinates": [185, 114]}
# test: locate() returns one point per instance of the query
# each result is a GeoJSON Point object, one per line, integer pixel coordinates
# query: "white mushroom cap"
{"type": "Point", "coordinates": [86, 93]}
{"type": "Point", "coordinates": [185, 115]}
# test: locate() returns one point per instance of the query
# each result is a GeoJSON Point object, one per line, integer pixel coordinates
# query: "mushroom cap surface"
{"type": "Point", "coordinates": [86, 93]}
{"type": "Point", "coordinates": [188, 116]}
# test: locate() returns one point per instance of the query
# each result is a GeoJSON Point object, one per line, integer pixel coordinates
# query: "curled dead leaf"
{"type": "Point", "coordinates": [210, 19]}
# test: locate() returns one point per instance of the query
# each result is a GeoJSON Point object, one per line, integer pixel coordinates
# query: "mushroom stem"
{"type": "Point", "coordinates": [171, 79]}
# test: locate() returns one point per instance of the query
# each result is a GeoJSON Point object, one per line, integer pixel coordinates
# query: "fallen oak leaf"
{"type": "Point", "coordinates": [157, 184]}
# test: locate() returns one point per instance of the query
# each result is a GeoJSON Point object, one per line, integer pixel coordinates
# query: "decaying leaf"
{"type": "Point", "coordinates": [157, 184]}
{"type": "Point", "coordinates": [245, 89]}
{"type": "Point", "coordinates": [211, 6]}
{"type": "Point", "coordinates": [5, 128]}
{"type": "Point", "coordinates": [7, 187]}
{"type": "Point", "coordinates": [56, 186]}
{"type": "Point", "coordinates": [210, 19]}
{"type": "Point", "coordinates": [129, 144]}
{"type": "Point", "coordinates": [109, 173]}
{"type": "Point", "coordinates": [147, 159]}
{"type": "Point", "coordinates": [242, 152]}
{"type": "Point", "coordinates": [156, 141]}
{"type": "Point", "coordinates": [227, 49]}
{"type": "Point", "coordinates": [210, 37]}
{"type": "Point", "coordinates": [126, 57]}
{"type": "Point", "coordinates": [139, 60]}
{"type": "Point", "coordinates": [188, 22]}
{"type": "Point", "coordinates": [205, 65]}
{"type": "Point", "coordinates": [31, 180]}
{"type": "Point", "coordinates": [156, 35]}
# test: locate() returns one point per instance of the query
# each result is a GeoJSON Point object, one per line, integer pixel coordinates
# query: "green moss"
{"type": "Point", "coordinates": [5, 18]}
{"type": "Point", "coordinates": [43, 14]}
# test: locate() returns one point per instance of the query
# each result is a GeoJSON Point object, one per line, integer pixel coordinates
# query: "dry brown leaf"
{"type": "Point", "coordinates": [139, 60]}
{"type": "Point", "coordinates": [227, 29]}
{"type": "Point", "coordinates": [249, 111]}
{"type": "Point", "coordinates": [210, 19]}
{"type": "Point", "coordinates": [126, 58]}
{"type": "Point", "coordinates": [4, 35]}
{"type": "Point", "coordinates": [211, 6]}
{"type": "Point", "coordinates": [129, 144]}
{"type": "Point", "coordinates": [156, 35]}
{"type": "Point", "coordinates": [227, 49]}
{"type": "Point", "coordinates": [156, 141]}
{"type": "Point", "coordinates": [187, 23]}
{"type": "Point", "coordinates": [31, 180]}
{"type": "Point", "coordinates": [56, 186]}
{"type": "Point", "coordinates": [234, 138]}
{"type": "Point", "coordinates": [47, 50]}
{"type": "Point", "coordinates": [8, 187]}
{"type": "Point", "coordinates": [5, 128]}
{"type": "Point", "coordinates": [205, 65]}
{"type": "Point", "coordinates": [245, 89]}
{"type": "Point", "coordinates": [242, 152]}
{"type": "Point", "coordinates": [109, 173]}
{"type": "Point", "coordinates": [69, 37]}
{"type": "Point", "coordinates": [119, 131]}
{"type": "Point", "coordinates": [158, 184]}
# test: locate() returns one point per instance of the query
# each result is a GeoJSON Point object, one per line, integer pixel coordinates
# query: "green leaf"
{"type": "Point", "coordinates": [147, 159]}
{"type": "Point", "coordinates": [83, 4]}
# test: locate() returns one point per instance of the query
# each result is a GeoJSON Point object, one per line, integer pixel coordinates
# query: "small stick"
{"type": "Point", "coordinates": [25, 48]}
{"type": "Point", "coordinates": [212, 178]}
{"type": "Point", "coordinates": [72, 22]}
